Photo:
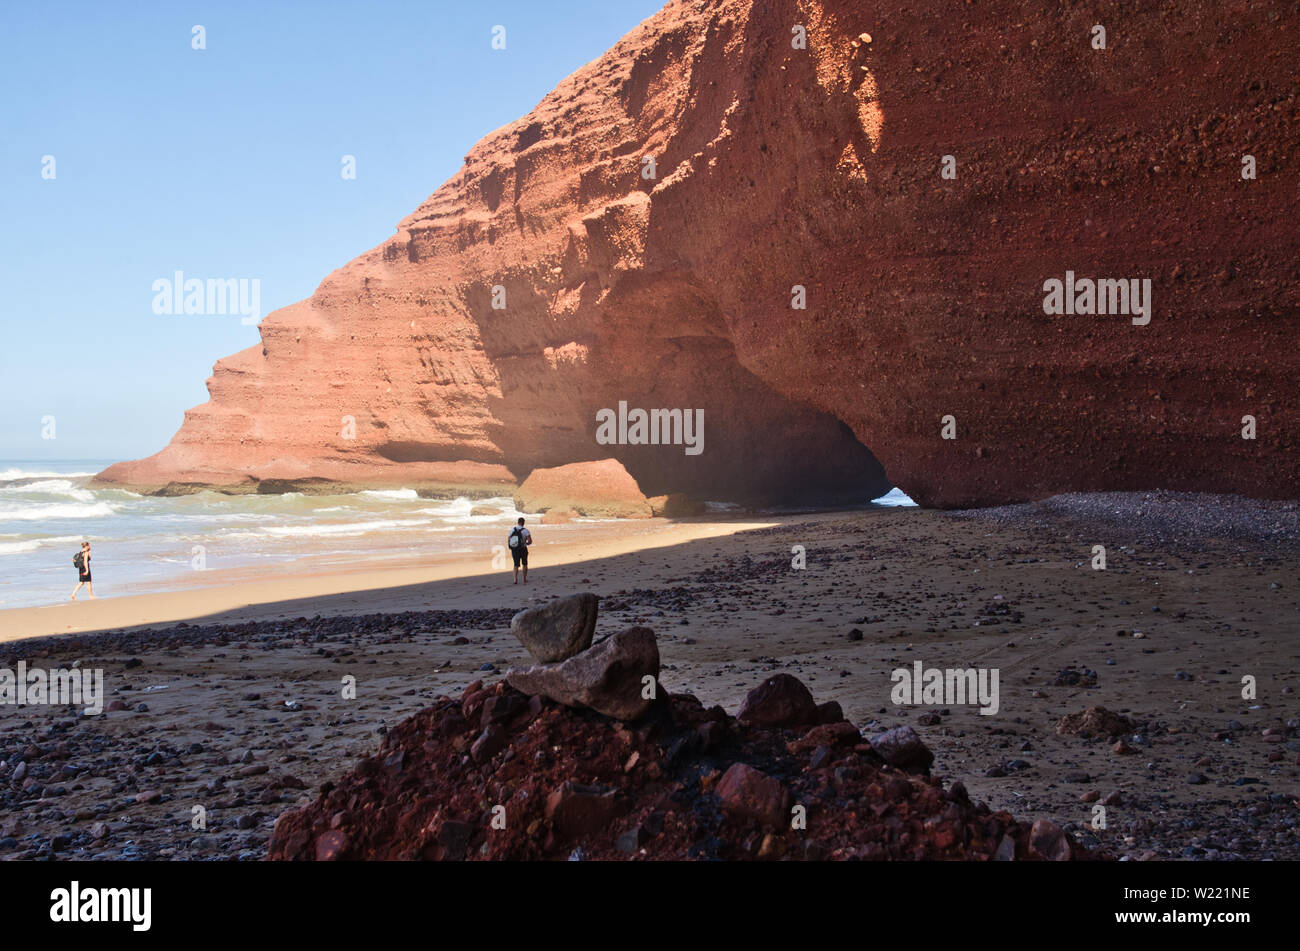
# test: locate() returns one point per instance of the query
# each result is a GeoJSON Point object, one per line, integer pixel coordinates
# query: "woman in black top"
{"type": "Point", "coordinates": [84, 576]}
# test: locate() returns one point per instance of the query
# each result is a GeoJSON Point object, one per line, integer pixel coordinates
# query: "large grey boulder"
{"type": "Point", "coordinates": [607, 677]}
{"type": "Point", "coordinates": [556, 631]}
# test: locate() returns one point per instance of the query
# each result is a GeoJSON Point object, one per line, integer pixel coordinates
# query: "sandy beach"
{"type": "Point", "coordinates": [238, 708]}
{"type": "Point", "coordinates": [237, 595]}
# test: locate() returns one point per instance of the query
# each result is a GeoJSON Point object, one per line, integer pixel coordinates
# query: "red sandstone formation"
{"type": "Point", "coordinates": [821, 167]}
{"type": "Point", "coordinates": [597, 489]}
{"type": "Point", "coordinates": [497, 775]}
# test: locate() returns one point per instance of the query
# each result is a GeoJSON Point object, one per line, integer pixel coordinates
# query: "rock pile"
{"type": "Point", "coordinates": [617, 677]}
{"type": "Point", "coordinates": [578, 759]}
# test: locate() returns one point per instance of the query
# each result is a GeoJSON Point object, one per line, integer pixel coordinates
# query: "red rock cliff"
{"type": "Point", "coordinates": [821, 167]}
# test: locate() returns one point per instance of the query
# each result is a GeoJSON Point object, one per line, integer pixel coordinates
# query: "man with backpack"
{"type": "Point", "coordinates": [520, 539]}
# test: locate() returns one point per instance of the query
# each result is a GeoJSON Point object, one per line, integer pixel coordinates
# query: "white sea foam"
{"type": "Point", "coordinates": [31, 544]}
{"type": "Point", "coordinates": [10, 474]}
{"type": "Point", "coordinates": [61, 487]}
{"type": "Point", "coordinates": [342, 529]}
{"type": "Point", "coordinates": [40, 511]}
{"type": "Point", "coordinates": [403, 494]}
{"type": "Point", "coordinates": [17, 548]}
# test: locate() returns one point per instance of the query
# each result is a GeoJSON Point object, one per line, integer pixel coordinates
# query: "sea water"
{"type": "Point", "coordinates": [147, 543]}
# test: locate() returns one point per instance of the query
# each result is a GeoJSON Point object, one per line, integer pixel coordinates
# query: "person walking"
{"type": "Point", "coordinates": [520, 539]}
{"type": "Point", "coordinates": [82, 561]}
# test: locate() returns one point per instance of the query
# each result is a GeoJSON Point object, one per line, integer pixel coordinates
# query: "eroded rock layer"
{"type": "Point", "coordinates": [821, 167]}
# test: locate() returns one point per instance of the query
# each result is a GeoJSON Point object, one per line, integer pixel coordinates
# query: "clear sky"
{"type": "Point", "coordinates": [225, 163]}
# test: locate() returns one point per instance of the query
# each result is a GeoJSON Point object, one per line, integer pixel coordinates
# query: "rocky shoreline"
{"type": "Point", "coordinates": [1185, 520]}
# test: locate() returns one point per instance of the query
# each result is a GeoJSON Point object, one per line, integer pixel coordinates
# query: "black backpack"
{"type": "Point", "coordinates": [79, 562]}
{"type": "Point", "coordinates": [516, 537]}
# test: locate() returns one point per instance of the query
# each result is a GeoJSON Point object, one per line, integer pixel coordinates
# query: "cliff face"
{"type": "Point", "coordinates": [821, 167]}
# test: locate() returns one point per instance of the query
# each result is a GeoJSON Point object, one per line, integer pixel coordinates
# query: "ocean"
{"type": "Point", "coordinates": [142, 543]}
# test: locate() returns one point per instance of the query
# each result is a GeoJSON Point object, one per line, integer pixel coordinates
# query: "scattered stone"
{"type": "Point", "coordinates": [1069, 677]}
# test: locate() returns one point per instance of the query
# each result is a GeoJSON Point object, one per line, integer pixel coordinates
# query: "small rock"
{"type": "Point", "coordinates": [781, 700]}
{"type": "Point", "coordinates": [1095, 721]}
{"type": "Point", "coordinates": [578, 810]}
{"type": "Point", "coordinates": [1049, 841]}
{"type": "Point", "coordinates": [490, 742]}
{"type": "Point", "coordinates": [330, 844]}
{"type": "Point", "coordinates": [630, 842]}
{"type": "Point", "coordinates": [559, 630]}
{"type": "Point", "coordinates": [902, 747]}
{"type": "Point", "coordinates": [747, 793]}
{"type": "Point", "coordinates": [607, 677]}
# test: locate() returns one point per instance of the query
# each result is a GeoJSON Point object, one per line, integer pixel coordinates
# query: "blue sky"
{"type": "Point", "coordinates": [225, 162]}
